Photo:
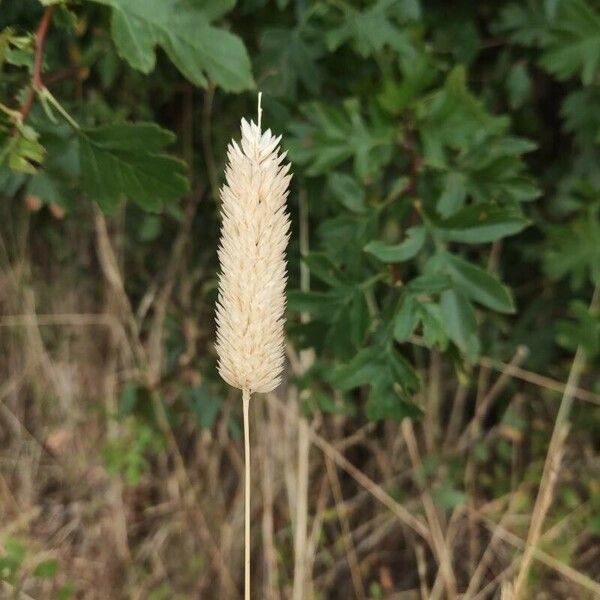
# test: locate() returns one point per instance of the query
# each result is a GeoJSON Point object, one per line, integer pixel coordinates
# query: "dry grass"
{"type": "Point", "coordinates": [373, 527]}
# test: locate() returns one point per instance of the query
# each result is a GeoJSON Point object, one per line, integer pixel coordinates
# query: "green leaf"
{"type": "Point", "coordinates": [289, 60]}
{"type": "Point", "coordinates": [406, 319]}
{"type": "Point", "coordinates": [391, 379]}
{"type": "Point", "coordinates": [460, 322]}
{"type": "Point", "coordinates": [324, 269]}
{"type": "Point", "coordinates": [434, 333]}
{"type": "Point", "coordinates": [453, 195]}
{"type": "Point", "coordinates": [213, 9]}
{"type": "Point", "coordinates": [417, 74]}
{"type": "Point", "coordinates": [322, 305]}
{"type": "Point", "coordinates": [582, 330]}
{"type": "Point", "coordinates": [65, 592]}
{"type": "Point", "coordinates": [573, 250]}
{"type": "Point", "coordinates": [448, 497]}
{"type": "Point", "coordinates": [20, 149]}
{"type": "Point", "coordinates": [126, 160]}
{"type": "Point", "coordinates": [479, 285]}
{"type": "Point", "coordinates": [347, 191]}
{"type": "Point", "coordinates": [454, 118]}
{"type": "Point", "coordinates": [361, 370]}
{"type": "Point", "coordinates": [204, 405]}
{"type": "Point", "coordinates": [482, 223]}
{"type": "Point", "coordinates": [372, 29]}
{"type": "Point", "coordinates": [328, 136]}
{"type": "Point", "coordinates": [386, 401]}
{"type": "Point", "coordinates": [573, 43]}
{"type": "Point", "coordinates": [184, 32]}
{"type": "Point", "coordinates": [409, 248]}
{"type": "Point", "coordinates": [518, 85]}
{"type": "Point", "coordinates": [344, 311]}
{"type": "Point", "coordinates": [429, 283]}
{"type": "Point", "coordinates": [47, 569]}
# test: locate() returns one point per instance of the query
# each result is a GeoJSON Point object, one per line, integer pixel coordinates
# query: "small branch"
{"type": "Point", "coordinates": [341, 510]}
{"type": "Point", "coordinates": [36, 82]}
{"type": "Point", "coordinates": [439, 546]}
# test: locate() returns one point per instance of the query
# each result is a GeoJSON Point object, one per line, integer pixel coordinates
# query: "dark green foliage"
{"type": "Point", "coordinates": [416, 150]}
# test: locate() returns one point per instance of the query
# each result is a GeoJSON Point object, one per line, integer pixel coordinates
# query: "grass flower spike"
{"type": "Point", "coordinates": [254, 236]}
{"type": "Point", "coordinates": [251, 303]}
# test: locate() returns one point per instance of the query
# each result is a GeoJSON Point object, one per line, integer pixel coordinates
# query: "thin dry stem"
{"type": "Point", "coordinates": [553, 460]}
{"type": "Point", "coordinates": [247, 541]}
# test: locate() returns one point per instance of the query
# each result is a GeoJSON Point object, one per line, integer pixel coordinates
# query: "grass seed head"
{"type": "Point", "coordinates": [253, 273]}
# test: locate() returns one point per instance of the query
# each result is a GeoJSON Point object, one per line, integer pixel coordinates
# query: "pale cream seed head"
{"type": "Point", "coordinates": [252, 282]}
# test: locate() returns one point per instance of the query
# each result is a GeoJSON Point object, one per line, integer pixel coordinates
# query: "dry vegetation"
{"type": "Point", "coordinates": [373, 526]}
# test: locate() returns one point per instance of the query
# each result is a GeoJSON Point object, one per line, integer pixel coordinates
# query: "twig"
{"type": "Point", "coordinates": [422, 571]}
{"type": "Point", "coordinates": [565, 570]}
{"type": "Point", "coordinates": [437, 535]}
{"type": "Point", "coordinates": [305, 360]}
{"type": "Point", "coordinates": [271, 583]}
{"type": "Point", "coordinates": [38, 62]}
{"type": "Point", "coordinates": [357, 582]}
{"type": "Point", "coordinates": [373, 488]}
{"type": "Point", "coordinates": [528, 376]}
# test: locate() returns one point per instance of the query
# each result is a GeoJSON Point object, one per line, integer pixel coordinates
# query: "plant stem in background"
{"type": "Point", "coordinates": [553, 460]}
{"type": "Point", "coordinates": [38, 61]}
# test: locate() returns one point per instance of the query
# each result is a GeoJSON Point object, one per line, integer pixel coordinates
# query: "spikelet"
{"type": "Point", "coordinates": [254, 236]}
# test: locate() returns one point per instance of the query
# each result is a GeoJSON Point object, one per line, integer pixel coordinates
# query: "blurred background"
{"type": "Point", "coordinates": [437, 433]}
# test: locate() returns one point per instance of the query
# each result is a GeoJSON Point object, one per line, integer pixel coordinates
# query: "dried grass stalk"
{"type": "Point", "coordinates": [251, 302]}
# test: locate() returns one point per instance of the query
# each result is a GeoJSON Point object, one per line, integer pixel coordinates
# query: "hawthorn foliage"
{"type": "Point", "coordinates": [445, 163]}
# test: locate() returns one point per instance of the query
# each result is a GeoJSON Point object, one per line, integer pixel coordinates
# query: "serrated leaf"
{"type": "Point", "coordinates": [20, 149]}
{"type": "Point", "coordinates": [328, 136]}
{"type": "Point", "coordinates": [373, 28]}
{"type": "Point", "coordinates": [482, 223]}
{"type": "Point", "coordinates": [479, 285]}
{"type": "Point", "coordinates": [409, 248]}
{"type": "Point", "coordinates": [573, 43]}
{"type": "Point", "coordinates": [453, 117]}
{"type": "Point", "coordinates": [126, 160]}
{"type": "Point", "coordinates": [185, 33]}
{"type": "Point", "coordinates": [573, 250]}
{"type": "Point", "coordinates": [289, 60]}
